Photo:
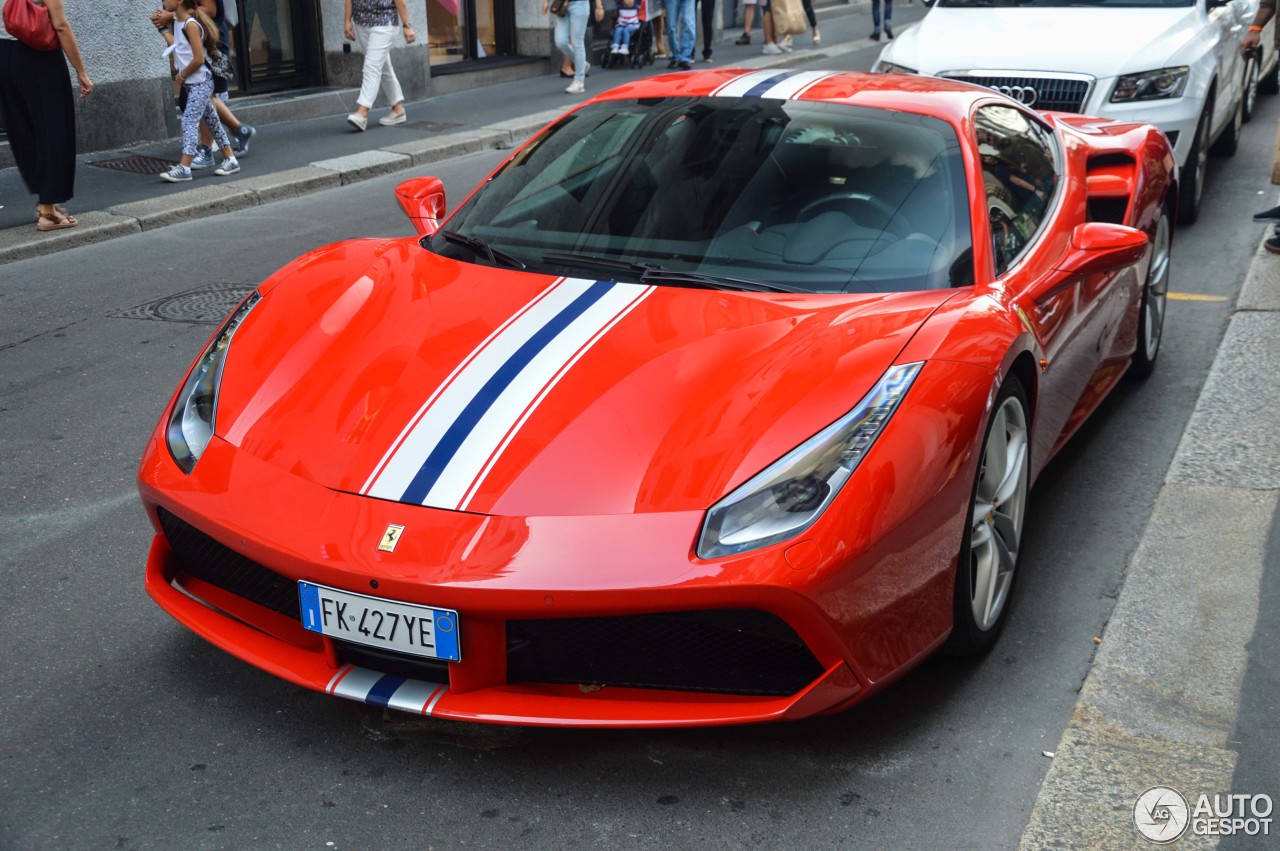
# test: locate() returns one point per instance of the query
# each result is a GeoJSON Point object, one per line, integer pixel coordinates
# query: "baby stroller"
{"type": "Point", "coordinates": [641, 47]}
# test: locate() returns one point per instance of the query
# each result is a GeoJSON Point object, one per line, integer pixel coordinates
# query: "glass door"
{"type": "Point", "coordinates": [461, 30]}
{"type": "Point", "coordinates": [277, 45]}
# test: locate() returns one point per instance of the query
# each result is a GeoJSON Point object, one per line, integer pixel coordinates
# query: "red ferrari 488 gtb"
{"type": "Point", "coordinates": [718, 402]}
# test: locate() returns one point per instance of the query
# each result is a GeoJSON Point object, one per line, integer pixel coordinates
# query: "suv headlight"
{"type": "Point", "coordinates": [790, 495]}
{"type": "Point", "coordinates": [1151, 85]}
{"type": "Point", "coordinates": [191, 422]}
{"type": "Point", "coordinates": [883, 67]}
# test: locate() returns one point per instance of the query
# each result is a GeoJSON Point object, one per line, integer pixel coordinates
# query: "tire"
{"type": "Point", "coordinates": [1155, 294]}
{"type": "Point", "coordinates": [1191, 190]}
{"type": "Point", "coordinates": [1249, 100]}
{"type": "Point", "coordinates": [1269, 84]}
{"type": "Point", "coordinates": [1228, 142]}
{"type": "Point", "coordinates": [987, 567]}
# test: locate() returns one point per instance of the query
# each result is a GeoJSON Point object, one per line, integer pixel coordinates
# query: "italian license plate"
{"type": "Point", "coordinates": [373, 621]}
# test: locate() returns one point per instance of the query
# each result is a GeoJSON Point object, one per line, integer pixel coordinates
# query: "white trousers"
{"type": "Point", "coordinates": [376, 44]}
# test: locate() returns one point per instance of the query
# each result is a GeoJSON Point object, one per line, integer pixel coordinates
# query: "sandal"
{"type": "Point", "coordinates": [58, 221]}
{"type": "Point", "coordinates": [62, 211]}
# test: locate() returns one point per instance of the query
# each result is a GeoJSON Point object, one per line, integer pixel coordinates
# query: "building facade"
{"type": "Point", "coordinates": [293, 46]}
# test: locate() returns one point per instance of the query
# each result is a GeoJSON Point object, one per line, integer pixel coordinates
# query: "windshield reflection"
{"type": "Point", "coordinates": [758, 193]}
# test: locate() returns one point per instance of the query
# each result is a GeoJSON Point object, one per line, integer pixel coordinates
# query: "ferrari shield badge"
{"type": "Point", "coordinates": [390, 538]}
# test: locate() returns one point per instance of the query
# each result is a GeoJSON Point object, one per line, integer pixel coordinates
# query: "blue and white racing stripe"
{"type": "Point", "coordinates": [772, 83]}
{"type": "Point", "coordinates": [444, 454]}
{"type": "Point", "coordinates": [403, 693]}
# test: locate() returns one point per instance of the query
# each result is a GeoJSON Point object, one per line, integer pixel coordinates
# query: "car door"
{"type": "Point", "coordinates": [1066, 313]}
{"type": "Point", "coordinates": [1228, 19]}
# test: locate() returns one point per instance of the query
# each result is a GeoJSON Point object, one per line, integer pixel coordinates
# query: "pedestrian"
{"type": "Point", "coordinates": [653, 13]}
{"type": "Point", "coordinates": [570, 36]}
{"type": "Point", "coordinates": [888, 19]}
{"type": "Point", "coordinates": [373, 24]}
{"type": "Point", "coordinates": [625, 26]}
{"type": "Point", "coordinates": [1249, 50]}
{"type": "Point", "coordinates": [241, 134]}
{"type": "Point", "coordinates": [194, 38]}
{"type": "Point", "coordinates": [40, 116]}
{"type": "Point", "coordinates": [773, 45]}
{"type": "Point", "coordinates": [813, 21]}
{"type": "Point", "coordinates": [682, 24]}
{"type": "Point", "coordinates": [708, 27]}
{"type": "Point", "coordinates": [748, 18]}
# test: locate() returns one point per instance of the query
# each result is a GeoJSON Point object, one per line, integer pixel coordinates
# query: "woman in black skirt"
{"type": "Point", "coordinates": [40, 116]}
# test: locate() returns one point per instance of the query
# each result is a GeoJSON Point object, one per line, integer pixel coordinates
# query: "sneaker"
{"type": "Point", "coordinates": [771, 49]}
{"type": "Point", "coordinates": [203, 157]}
{"type": "Point", "coordinates": [875, 36]}
{"type": "Point", "coordinates": [228, 167]}
{"type": "Point", "coordinates": [240, 142]}
{"type": "Point", "coordinates": [1272, 245]}
{"type": "Point", "coordinates": [786, 48]}
{"type": "Point", "coordinates": [785, 44]}
{"type": "Point", "coordinates": [706, 55]}
{"type": "Point", "coordinates": [745, 38]}
{"type": "Point", "coordinates": [178, 174]}
{"type": "Point", "coordinates": [576, 88]}
{"type": "Point", "coordinates": [624, 50]}
{"type": "Point", "coordinates": [673, 64]}
{"type": "Point", "coordinates": [358, 121]}
{"type": "Point", "coordinates": [394, 118]}
{"type": "Point", "coordinates": [684, 66]}
{"type": "Point", "coordinates": [888, 31]}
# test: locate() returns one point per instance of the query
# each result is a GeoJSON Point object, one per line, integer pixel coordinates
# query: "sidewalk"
{"type": "Point", "coordinates": [297, 157]}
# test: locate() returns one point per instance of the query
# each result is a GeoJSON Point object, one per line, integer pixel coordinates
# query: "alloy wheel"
{"type": "Point", "coordinates": [999, 508]}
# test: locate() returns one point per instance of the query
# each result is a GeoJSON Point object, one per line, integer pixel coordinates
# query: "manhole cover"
{"type": "Point", "coordinates": [135, 164]}
{"type": "Point", "coordinates": [206, 305]}
{"type": "Point", "coordinates": [433, 126]}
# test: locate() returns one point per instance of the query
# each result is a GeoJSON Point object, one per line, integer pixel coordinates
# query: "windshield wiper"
{"type": "Point", "coordinates": [715, 282]}
{"type": "Point", "coordinates": [653, 273]}
{"type": "Point", "coordinates": [595, 261]}
{"type": "Point", "coordinates": [483, 249]}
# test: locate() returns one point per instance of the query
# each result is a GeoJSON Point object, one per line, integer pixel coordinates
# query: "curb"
{"type": "Point", "coordinates": [24, 243]}
{"type": "Point", "coordinates": [1160, 702]}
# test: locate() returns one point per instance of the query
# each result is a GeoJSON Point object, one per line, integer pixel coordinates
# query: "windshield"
{"type": "Point", "coordinates": [1098, 4]}
{"type": "Point", "coordinates": [737, 192]}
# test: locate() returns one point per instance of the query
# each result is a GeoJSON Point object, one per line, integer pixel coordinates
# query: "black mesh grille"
{"type": "Point", "coordinates": [389, 662]}
{"type": "Point", "coordinates": [206, 559]}
{"type": "Point", "coordinates": [1050, 92]}
{"type": "Point", "coordinates": [728, 651]}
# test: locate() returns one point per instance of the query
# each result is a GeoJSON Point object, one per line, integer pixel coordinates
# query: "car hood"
{"type": "Point", "coordinates": [381, 369]}
{"type": "Point", "coordinates": [1099, 42]}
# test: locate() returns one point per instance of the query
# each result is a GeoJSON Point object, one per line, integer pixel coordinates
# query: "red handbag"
{"type": "Point", "coordinates": [30, 24]}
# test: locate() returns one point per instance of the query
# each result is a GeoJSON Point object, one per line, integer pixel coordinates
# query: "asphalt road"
{"type": "Point", "coordinates": [123, 730]}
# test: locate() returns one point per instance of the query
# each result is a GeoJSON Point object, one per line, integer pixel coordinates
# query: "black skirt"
{"type": "Point", "coordinates": [39, 113]}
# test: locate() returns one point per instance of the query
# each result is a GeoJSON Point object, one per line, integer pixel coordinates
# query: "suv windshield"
{"type": "Point", "coordinates": [743, 193]}
{"type": "Point", "coordinates": [1099, 4]}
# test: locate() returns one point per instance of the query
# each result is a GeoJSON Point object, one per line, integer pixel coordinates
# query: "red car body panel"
{"type": "Point", "coordinates": [592, 505]}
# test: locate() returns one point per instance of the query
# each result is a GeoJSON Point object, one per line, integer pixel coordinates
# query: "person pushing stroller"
{"type": "Point", "coordinates": [626, 25]}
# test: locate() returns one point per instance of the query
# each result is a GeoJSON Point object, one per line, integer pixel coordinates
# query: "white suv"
{"type": "Point", "coordinates": [1172, 63]}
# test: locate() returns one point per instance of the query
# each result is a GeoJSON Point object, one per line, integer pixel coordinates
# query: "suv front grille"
{"type": "Point", "coordinates": [1061, 93]}
{"type": "Point", "coordinates": [206, 559]}
{"type": "Point", "coordinates": [727, 651]}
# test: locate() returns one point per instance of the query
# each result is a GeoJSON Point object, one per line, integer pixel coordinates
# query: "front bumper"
{"type": "Point", "coordinates": [500, 574]}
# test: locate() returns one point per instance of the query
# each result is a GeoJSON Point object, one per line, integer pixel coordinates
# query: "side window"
{"type": "Point", "coordinates": [1019, 173]}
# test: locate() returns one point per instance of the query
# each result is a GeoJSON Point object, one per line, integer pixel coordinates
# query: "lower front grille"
{"type": "Point", "coordinates": [1061, 93]}
{"type": "Point", "coordinates": [726, 651]}
{"type": "Point", "coordinates": [207, 560]}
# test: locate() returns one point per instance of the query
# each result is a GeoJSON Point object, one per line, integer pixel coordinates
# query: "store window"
{"type": "Point", "coordinates": [465, 30]}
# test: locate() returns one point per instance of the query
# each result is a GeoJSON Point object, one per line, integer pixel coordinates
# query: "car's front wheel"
{"type": "Point", "coordinates": [992, 538]}
{"type": "Point", "coordinates": [1155, 297]}
{"type": "Point", "coordinates": [1192, 189]}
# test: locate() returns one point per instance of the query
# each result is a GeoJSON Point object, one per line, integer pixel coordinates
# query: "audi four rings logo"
{"type": "Point", "coordinates": [1024, 95]}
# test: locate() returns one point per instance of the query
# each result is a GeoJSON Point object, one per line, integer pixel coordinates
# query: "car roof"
{"type": "Point", "coordinates": [947, 99]}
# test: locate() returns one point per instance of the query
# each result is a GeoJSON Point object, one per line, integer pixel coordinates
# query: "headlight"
{"type": "Point", "coordinates": [789, 496]}
{"type": "Point", "coordinates": [883, 67]}
{"type": "Point", "coordinates": [1151, 85]}
{"type": "Point", "coordinates": [191, 423]}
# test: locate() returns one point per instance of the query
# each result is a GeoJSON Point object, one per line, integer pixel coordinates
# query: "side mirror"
{"type": "Point", "coordinates": [1103, 247]}
{"type": "Point", "coordinates": [422, 198]}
